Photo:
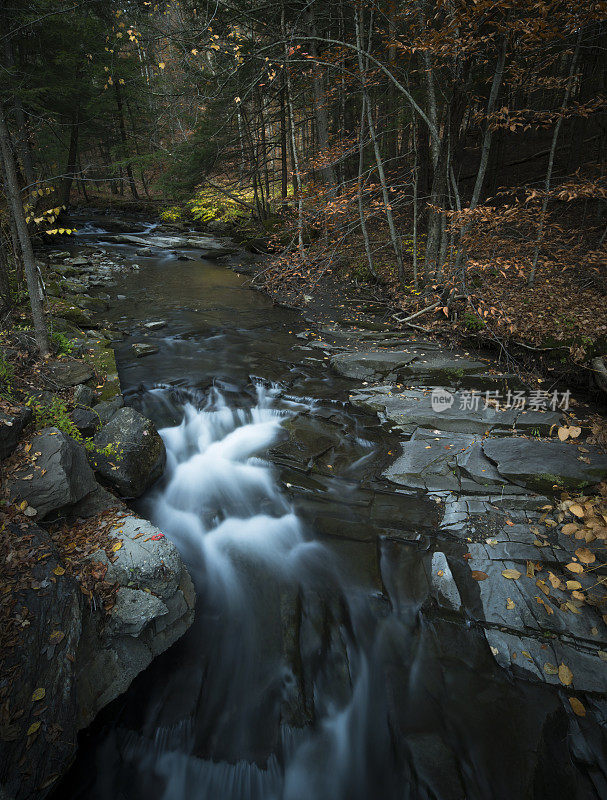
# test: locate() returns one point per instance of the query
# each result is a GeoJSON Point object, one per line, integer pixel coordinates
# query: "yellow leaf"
{"type": "Point", "coordinates": [563, 434]}
{"type": "Point", "coordinates": [550, 669]}
{"type": "Point", "coordinates": [38, 694]}
{"type": "Point", "coordinates": [56, 637]}
{"type": "Point", "coordinates": [162, 65]}
{"type": "Point", "coordinates": [33, 728]}
{"type": "Point", "coordinates": [510, 603]}
{"type": "Point", "coordinates": [116, 546]}
{"type": "Point", "coordinates": [577, 510]}
{"type": "Point", "coordinates": [573, 567]}
{"type": "Point", "coordinates": [571, 585]}
{"type": "Point", "coordinates": [556, 582]}
{"type": "Point", "coordinates": [59, 571]}
{"type": "Point", "coordinates": [585, 556]}
{"type": "Point", "coordinates": [577, 706]}
{"type": "Point", "coordinates": [565, 675]}
{"type": "Point", "coordinates": [541, 585]}
{"type": "Point", "coordinates": [513, 574]}
{"type": "Point", "coordinates": [569, 528]}
{"type": "Point", "coordinates": [574, 431]}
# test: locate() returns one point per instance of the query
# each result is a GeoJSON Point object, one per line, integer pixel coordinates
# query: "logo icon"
{"type": "Point", "coordinates": [441, 400]}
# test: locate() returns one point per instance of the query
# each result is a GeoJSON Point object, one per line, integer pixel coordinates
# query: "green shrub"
{"type": "Point", "coordinates": [472, 322]}
{"type": "Point", "coordinates": [56, 414]}
{"type": "Point", "coordinates": [7, 376]}
{"type": "Point", "coordinates": [63, 346]}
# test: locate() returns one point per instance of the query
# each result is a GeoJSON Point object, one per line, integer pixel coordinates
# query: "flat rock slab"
{"type": "Point", "coordinates": [70, 373]}
{"type": "Point", "coordinates": [370, 364]}
{"type": "Point", "coordinates": [211, 247]}
{"type": "Point", "coordinates": [445, 410]}
{"type": "Point", "coordinates": [429, 464]}
{"type": "Point", "coordinates": [545, 466]}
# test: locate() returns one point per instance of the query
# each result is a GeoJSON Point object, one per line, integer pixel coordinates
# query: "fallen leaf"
{"type": "Point", "coordinates": [585, 555]}
{"type": "Point", "coordinates": [56, 637]}
{"type": "Point", "coordinates": [509, 522]}
{"type": "Point", "coordinates": [569, 528]}
{"type": "Point", "coordinates": [573, 567]}
{"type": "Point", "coordinates": [513, 574]}
{"type": "Point", "coordinates": [478, 575]}
{"type": "Point", "coordinates": [577, 706]}
{"type": "Point", "coordinates": [556, 582]}
{"type": "Point", "coordinates": [59, 570]}
{"type": "Point", "coordinates": [550, 669]}
{"type": "Point", "coordinates": [510, 604]}
{"type": "Point", "coordinates": [116, 546]}
{"type": "Point", "coordinates": [541, 585]}
{"type": "Point", "coordinates": [571, 585]}
{"type": "Point", "coordinates": [574, 431]}
{"type": "Point", "coordinates": [33, 728]}
{"type": "Point", "coordinates": [577, 510]}
{"type": "Point", "coordinates": [38, 694]}
{"type": "Point", "coordinates": [565, 675]}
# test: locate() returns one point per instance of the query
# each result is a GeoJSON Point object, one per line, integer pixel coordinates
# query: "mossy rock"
{"type": "Point", "coordinates": [104, 361]}
{"type": "Point", "coordinates": [61, 325]}
{"type": "Point", "coordinates": [95, 304]}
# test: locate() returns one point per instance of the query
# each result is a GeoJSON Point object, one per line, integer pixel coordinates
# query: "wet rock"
{"type": "Point", "coordinates": [60, 476]}
{"type": "Point", "coordinates": [70, 373]}
{"type": "Point", "coordinates": [77, 261]}
{"type": "Point", "coordinates": [143, 349]}
{"type": "Point", "coordinates": [370, 364]}
{"type": "Point", "coordinates": [210, 248]}
{"type": "Point", "coordinates": [95, 304]}
{"type": "Point", "coordinates": [138, 454]}
{"type": "Point", "coordinates": [443, 584]}
{"type": "Point", "coordinates": [436, 766]}
{"type": "Point", "coordinates": [545, 465]}
{"type": "Point", "coordinates": [443, 368]}
{"type": "Point", "coordinates": [155, 325]}
{"type": "Point", "coordinates": [429, 464]}
{"type": "Point", "coordinates": [11, 427]}
{"type": "Point", "coordinates": [475, 465]}
{"type": "Point", "coordinates": [107, 408]}
{"type": "Point", "coordinates": [74, 315]}
{"type": "Point", "coordinates": [83, 395]}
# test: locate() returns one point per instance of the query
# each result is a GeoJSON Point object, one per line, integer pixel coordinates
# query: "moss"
{"type": "Point", "coordinates": [103, 360]}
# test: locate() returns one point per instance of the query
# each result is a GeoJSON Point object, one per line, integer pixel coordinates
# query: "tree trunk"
{"type": "Point", "coordinates": [129, 168]}
{"type": "Point", "coordinates": [29, 262]}
{"type": "Point", "coordinates": [72, 158]}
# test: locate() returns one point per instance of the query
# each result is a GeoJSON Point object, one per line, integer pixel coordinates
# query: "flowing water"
{"type": "Point", "coordinates": [315, 668]}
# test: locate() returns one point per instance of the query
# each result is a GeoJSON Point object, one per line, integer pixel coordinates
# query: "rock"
{"type": "Point", "coordinates": [210, 248]}
{"type": "Point", "coordinates": [76, 316]}
{"type": "Point", "coordinates": [70, 373]}
{"type": "Point", "coordinates": [86, 420]}
{"type": "Point", "coordinates": [545, 465]}
{"type": "Point", "coordinates": [120, 297]}
{"type": "Point", "coordinates": [154, 607]}
{"type": "Point", "coordinates": [60, 476]}
{"type": "Point", "coordinates": [371, 364]}
{"type": "Point", "coordinates": [95, 304]}
{"type": "Point", "coordinates": [134, 610]}
{"type": "Point", "coordinates": [77, 261]}
{"type": "Point", "coordinates": [156, 325]}
{"type": "Point", "coordinates": [11, 427]}
{"type": "Point", "coordinates": [139, 456]}
{"type": "Point", "coordinates": [107, 408]}
{"type": "Point", "coordinates": [143, 349]}
{"type": "Point", "coordinates": [83, 395]}
{"type": "Point", "coordinates": [43, 658]}
{"type": "Point", "coordinates": [443, 584]}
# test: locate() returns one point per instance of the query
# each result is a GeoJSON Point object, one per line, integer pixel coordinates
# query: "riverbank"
{"type": "Point", "coordinates": [475, 516]}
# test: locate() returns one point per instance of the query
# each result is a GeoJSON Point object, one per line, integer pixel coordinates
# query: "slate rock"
{"type": "Point", "coordinates": [545, 465]}
{"type": "Point", "coordinates": [70, 373]}
{"type": "Point", "coordinates": [370, 364]}
{"type": "Point", "coordinates": [60, 476]}
{"type": "Point", "coordinates": [443, 584]}
{"type": "Point", "coordinates": [140, 453]}
{"type": "Point", "coordinates": [11, 427]}
{"type": "Point", "coordinates": [155, 325]}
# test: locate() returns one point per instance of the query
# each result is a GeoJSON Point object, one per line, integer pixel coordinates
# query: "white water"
{"type": "Point", "coordinates": [220, 504]}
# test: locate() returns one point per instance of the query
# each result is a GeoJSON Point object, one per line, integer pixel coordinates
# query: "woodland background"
{"type": "Point", "coordinates": [443, 156]}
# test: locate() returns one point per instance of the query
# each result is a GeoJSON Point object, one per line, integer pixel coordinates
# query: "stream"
{"type": "Point", "coordinates": [317, 667]}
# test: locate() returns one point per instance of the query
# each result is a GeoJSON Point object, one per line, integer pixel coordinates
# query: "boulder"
{"type": "Point", "coordinates": [545, 466]}
{"type": "Point", "coordinates": [70, 373]}
{"type": "Point", "coordinates": [60, 475]}
{"type": "Point", "coordinates": [11, 426]}
{"type": "Point", "coordinates": [155, 325]}
{"type": "Point", "coordinates": [138, 454]}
